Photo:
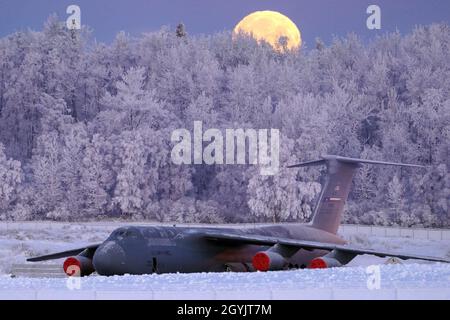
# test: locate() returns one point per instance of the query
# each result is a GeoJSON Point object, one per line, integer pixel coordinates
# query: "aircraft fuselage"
{"type": "Point", "coordinates": [146, 250]}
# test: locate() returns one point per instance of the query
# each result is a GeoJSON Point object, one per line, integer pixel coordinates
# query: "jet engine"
{"type": "Point", "coordinates": [78, 266]}
{"type": "Point", "coordinates": [268, 261]}
{"type": "Point", "coordinates": [275, 258]}
{"type": "Point", "coordinates": [333, 259]}
{"type": "Point", "coordinates": [324, 262]}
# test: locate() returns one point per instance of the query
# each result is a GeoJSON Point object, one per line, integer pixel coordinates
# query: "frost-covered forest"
{"type": "Point", "coordinates": [85, 127]}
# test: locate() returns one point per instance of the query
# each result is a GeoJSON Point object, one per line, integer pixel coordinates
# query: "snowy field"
{"type": "Point", "coordinates": [409, 280]}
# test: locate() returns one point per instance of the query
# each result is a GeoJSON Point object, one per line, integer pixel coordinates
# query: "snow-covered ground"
{"type": "Point", "coordinates": [411, 279]}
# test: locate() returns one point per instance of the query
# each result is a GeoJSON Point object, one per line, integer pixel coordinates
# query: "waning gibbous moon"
{"type": "Point", "coordinates": [272, 27]}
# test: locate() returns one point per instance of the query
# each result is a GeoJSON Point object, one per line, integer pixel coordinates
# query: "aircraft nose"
{"type": "Point", "coordinates": [109, 259]}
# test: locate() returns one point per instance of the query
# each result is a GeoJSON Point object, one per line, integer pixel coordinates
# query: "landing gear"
{"type": "Point", "coordinates": [238, 267]}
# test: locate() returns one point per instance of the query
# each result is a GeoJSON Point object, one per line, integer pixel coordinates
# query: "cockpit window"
{"type": "Point", "coordinates": [121, 234]}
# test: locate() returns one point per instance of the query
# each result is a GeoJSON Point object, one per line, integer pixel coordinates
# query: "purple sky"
{"type": "Point", "coordinates": [318, 18]}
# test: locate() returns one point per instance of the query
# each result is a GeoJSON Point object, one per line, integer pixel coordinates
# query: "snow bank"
{"type": "Point", "coordinates": [397, 281]}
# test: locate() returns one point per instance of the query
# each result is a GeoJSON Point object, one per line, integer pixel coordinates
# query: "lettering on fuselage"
{"type": "Point", "coordinates": [161, 242]}
{"type": "Point", "coordinates": [161, 252]}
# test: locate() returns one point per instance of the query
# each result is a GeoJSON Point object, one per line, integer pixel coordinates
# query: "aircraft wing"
{"type": "Point", "coordinates": [310, 245]}
{"type": "Point", "coordinates": [63, 254]}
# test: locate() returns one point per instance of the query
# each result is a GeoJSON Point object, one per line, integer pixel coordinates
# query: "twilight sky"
{"type": "Point", "coordinates": [315, 18]}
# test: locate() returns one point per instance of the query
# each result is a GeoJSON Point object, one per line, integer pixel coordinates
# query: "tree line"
{"type": "Point", "coordinates": [85, 127]}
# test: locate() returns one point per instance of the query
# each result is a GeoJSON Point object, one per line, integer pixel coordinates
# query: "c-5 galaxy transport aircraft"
{"type": "Point", "coordinates": [144, 250]}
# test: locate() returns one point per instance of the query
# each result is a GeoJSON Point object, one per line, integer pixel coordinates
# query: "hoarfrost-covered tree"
{"type": "Point", "coordinates": [134, 106]}
{"type": "Point", "coordinates": [202, 109]}
{"type": "Point", "coordinates": [186, 70]}
{"type": "Point", "coordinates": [128, 193]}
{"type": "Point", "coordinates": [147, 182]}
{"type": "Point", "coordinates": [97, 177]}
{"type": "Point", "coordinates": [395, 194]}
{"type": "Point", "coordinates": [11, 177]}
{"type": "Point", "coordinates": [282, 197]}
{"type": "Point", "coordinates": [47, 184]}
{"type": "Point", "coordinates": [181, 31]}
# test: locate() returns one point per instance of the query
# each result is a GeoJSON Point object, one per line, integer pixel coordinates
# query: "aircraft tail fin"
{"type": "Point", "coordinates": [328, 211]}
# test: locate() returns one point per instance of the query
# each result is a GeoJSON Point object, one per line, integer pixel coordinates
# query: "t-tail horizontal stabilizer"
{"type": "Point", "coordinates": [329, 209]}
{"type": "Point", "coordinates": [325, 159]}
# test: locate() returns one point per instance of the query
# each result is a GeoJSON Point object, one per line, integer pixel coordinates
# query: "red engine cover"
{"type": "Point", "coordinates": [78, 266]}
{"type": "Point", "coordinates": [318, 263]}
{"type": "Point", "coordinates": [72, 267]}
{"type": "Point", "coordinates": [261, 261]}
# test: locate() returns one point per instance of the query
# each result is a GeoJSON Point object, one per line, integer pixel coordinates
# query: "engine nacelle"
{"type": "Point", "coordinates": [268, 261]}
{"type": "Point", "coordinates": [323, 263]}
{"type": "Point", "coordinates": [78, 266]}
{"type": "Point", "coordinates": [333, 259]}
